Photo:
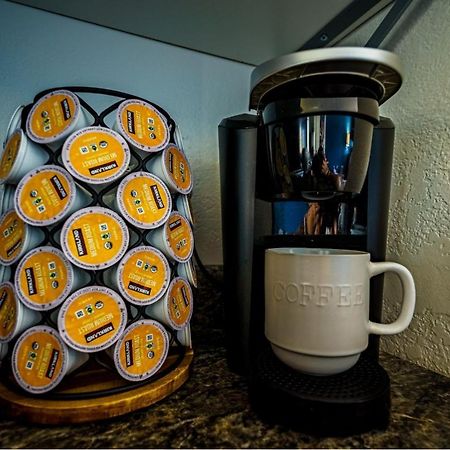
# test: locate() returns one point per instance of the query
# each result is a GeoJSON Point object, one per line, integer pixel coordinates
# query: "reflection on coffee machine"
{"type": "Point", "coordinates": [311, 169]}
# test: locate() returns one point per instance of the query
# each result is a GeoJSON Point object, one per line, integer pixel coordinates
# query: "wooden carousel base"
{"type": "Point", "coordinates": [93, 383]}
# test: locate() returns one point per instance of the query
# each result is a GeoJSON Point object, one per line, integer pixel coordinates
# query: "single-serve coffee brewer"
{"type": "Point", "coordinates": [305, 186]}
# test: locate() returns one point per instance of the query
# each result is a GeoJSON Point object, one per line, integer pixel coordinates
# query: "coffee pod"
{"type": "Point", "coordinates": [14, 316]}
{"type": "Point", "coordinates": [94, 238]}
{"type": "Point", "coordinates": [142, 125]}
{"type": "Point", "coordinates": [142, 276]}
{"type": "Point", "coordinates": [16, 237]}
{"type": "Point", "coordinates": [141, 350]}
{"type": "Point", "coordinates": [143, 200]}
{"type": "Point", "coordinates": [187, 270]}
{"type": "Point", "coordinates": [6, 197]}
{"type": "Point", "coordinates": [47, 195]}
{"type": "Point", "coordinates": [44, 278]}
{"type": "Point", "coordinates": [173, 168]}
{"type": "Point", "coordinates": [175, 238]}
{"type": "Point", "coordinates": [92, 319]}
{"type": "Point", "coordinates": [184, 336]}
{"type": "Point", "coordinates": [14, 123]}
{"type": "Point", "coordinates": [54, 117]}
{"type": "Point", "coordinates": [5, 273]}
{"type": "Point", "coordinates": [41, 359]}
{"type": "Point", "coordinates": [184, 207]}
{"type": "Point", "coordinates": [19, 156]}
{"type": "Point", "coordinates": [96, 155]}
{"type": "Point", "coordinates": [175, 308]}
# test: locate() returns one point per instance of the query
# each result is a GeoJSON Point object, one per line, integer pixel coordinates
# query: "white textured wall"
{"type": "Point", "coordinates": [39, 50]}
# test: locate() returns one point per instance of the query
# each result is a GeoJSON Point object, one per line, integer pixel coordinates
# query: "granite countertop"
{"type": "Point", "coordinates": [212, 409]}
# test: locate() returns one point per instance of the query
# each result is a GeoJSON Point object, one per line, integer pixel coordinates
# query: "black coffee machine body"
{"type": "Point", "coordinates": [312, 168]}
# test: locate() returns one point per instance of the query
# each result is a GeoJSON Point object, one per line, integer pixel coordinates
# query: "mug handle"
{"type": "Point", "coordinates": [408, 301]}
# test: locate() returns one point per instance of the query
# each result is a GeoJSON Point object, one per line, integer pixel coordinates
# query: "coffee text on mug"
{"type": "Point", "coordinates": [305, 294]}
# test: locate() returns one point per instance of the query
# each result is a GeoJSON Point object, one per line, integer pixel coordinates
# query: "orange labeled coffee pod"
{"type": "Point", "coordinates": [16, 237]}
{"type": "Point", "coordinates": [96, 155]}
{"type": "Point", "coordinates": [14, 316]}
{"type": "Point", "coordinates": [41, 359]}
{"type": "Point", "coordinates": [47, 195]}
{"type": "Point", "coordinates": [175, 238]}
{"type": "Point", "coordinates": [142, 125]}
{"type": "Point", "coordinates": [54, 116]}
{"type": "Point", "coordinates": [187, 270]}
{"type": "Point", "coordinates": [143, 200]}
{"type": "Point", "coordinates": [142, 276]}
{"type": "Point", "coordinates": [94, 238]}
{"type": "Point", "coordinates": [6, 197]}
{"type": "Point", "coordinates": [44, 278]}
{"type": "Point", "coordinates": [19, 156]}
{"type": "Point", "coordinates": [175, 308]}
{"type": "Point", "coordinates": [141, 350]}
{"type": "Point", "coordinates": [173, 168]}
{"type": "Point", "coordinates": [92, 319]}
{"type": "Point", "coordinates": [183, 206]}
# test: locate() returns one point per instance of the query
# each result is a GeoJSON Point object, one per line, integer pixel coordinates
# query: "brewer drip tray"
{"type": "Point", "coordinates": [354, 401]}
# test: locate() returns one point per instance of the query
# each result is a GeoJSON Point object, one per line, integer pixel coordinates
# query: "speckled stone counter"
{"type": "Point", "coordinates": [212, 410]}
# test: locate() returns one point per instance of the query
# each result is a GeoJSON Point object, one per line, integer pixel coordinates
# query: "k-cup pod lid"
{"type": "Point", "coordinates": [92, 319]}
{"type": "Point", "coordinates": [8, 312]}
{"type": "Point", "coordinates": [45, 195]}
{"type": "Point", "coordinates": [179, 238]}
{"type": "Point", "coordinates": [53, 117]}
{"type": "Point", "coordinates": [179, 303]}
{"type": "Point", "coordinates": [96, 155]}
{"type": "Point", "coordinates": [177, 169]}
{"type": "Point", "coordinates": [14, 237]}
{"type": "Point", "coordinates": [184, 207]}
{"type": "Point", "coordinates": [94, 238]}
{"type": "Point", "coordinates": [11, 155]}
{"type": "Point", "coordinates": [144, 200]}
{"type": "Point", "coordinates": [39, 359]}
{"type": "Point", "coordinates": [43, 278]}
{"type": "Point", "coordinates": [14, 122]}
{"type": "Point", "coordinates": [141, 350]}
{"type": "Point", "coordinates": [143, 275]}
{"type": "Point", "coordinates": [142, 125]}
{"type": "Point", "coordinates": [187, 270]}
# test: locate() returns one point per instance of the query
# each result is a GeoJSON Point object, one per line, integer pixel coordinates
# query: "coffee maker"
{"type": "Point", "coordinates": [312, 168]}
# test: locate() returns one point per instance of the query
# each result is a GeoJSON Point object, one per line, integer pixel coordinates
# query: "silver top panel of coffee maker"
{"type": "Point", "coordinates": [381, 67]}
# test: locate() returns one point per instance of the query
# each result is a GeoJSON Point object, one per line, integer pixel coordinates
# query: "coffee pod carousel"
{"type": "Point", "coordinates": [96, 244]}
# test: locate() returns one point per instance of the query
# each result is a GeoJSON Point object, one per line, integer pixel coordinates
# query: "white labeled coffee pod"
{"type": "Point", "coordinates": [141, 350]}
{"type": "Point", "coordinates": [6, 197]}
{"type": "Point", "coordinates": [172, 166]}
{"type": "Point", "coordinates": [54, 117]}
{"type": "Point", "coordinates": [14, 316]}
{"type": "Point", "coordinates": [175, 308]}
{"type": "Point", "coordinates": [96, 155]}
{"type": "Point", "coordinates": [183, 206]}
{"type": "Point", "coordinates": [14, 123]}
{"type": "Point", "coordinates": [175, 238]}
{"type": "Point", "coordinates": [47, 195]}
{"type": "Point", "coordinates": [142, 125]}
{"type": "Point", "coordinates": [187, 270]}
{"type": "Point", "coordinates": [142, 276]}
{"type": "Point", "coordinates": [19, 156]}
{"type": "Point", "coordinates": [92, 319]}
{"type": "Point", "coordinates": [16, 237]}
{"type": "Point", "coordinates": [94, 238]}
{"type": "Point", "coordinates": [41, 359]}
{"type": "Point", "coordinates": [143, 200]}
{"type": "Point", "coordinates": [44, 278]}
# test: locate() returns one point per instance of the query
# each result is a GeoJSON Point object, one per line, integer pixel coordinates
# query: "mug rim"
{"type": "Point", "coordinates": [307, 251]}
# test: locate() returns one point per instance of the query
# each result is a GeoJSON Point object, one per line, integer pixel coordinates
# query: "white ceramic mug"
{"type": "Point", "coordinates": [317, 306]}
